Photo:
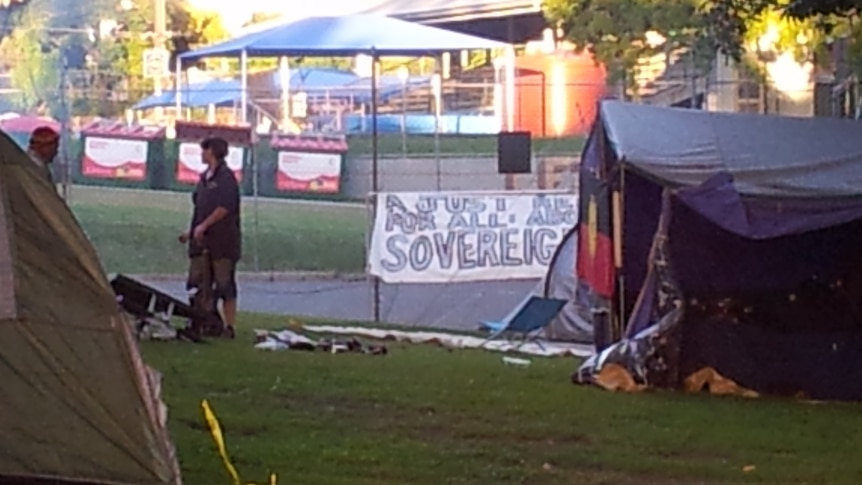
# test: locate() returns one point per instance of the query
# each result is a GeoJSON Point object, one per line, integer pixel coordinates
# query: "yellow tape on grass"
{"type": "Point", "coordinates": [218, 437]}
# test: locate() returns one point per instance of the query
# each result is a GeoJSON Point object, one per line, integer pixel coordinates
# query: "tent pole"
{"type": "Point", "coordinates": [243, 67]}
{"type": "Point", "coordinates": [375, 182]}
{"type": "Point", "coordinates": [618, 250]}
{"type": "Point", "coordinates": [255, 185]}
{"type": "Point", "coordinates": [437, 91]}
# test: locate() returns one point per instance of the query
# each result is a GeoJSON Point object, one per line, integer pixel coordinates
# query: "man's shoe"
{"type": "Point", "coordinates": [229, 332]}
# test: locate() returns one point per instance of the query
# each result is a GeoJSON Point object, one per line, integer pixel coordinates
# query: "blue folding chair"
{"type": "Point", "coordinates": [528, 321]}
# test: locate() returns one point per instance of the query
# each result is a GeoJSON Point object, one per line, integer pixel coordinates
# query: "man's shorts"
{"type": "Point", "coordinates": [218, 275]}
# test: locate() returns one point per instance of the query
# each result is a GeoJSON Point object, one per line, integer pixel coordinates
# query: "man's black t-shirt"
{"type": "Point", "coordinates": [223, 240]}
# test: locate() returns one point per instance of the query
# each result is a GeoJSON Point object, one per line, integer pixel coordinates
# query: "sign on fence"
{"type": "Point", "coordinates": [114, 158]}
{"type": "Point", "coordinates": [308, 172]}
{"type": "Point", "coordinates": [190, 165]}
{"type": "Point", "coordinates": [441, 237]}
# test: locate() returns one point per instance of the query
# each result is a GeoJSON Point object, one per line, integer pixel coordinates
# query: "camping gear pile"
{"type": "Point", "coordinates": [290, 340]}
{"type": "Point", "coordinates": [154, 310]}
{"type": "Point", "coordinates": [716, 244]}
{"type": "Point", "coordinates": [78, 404]}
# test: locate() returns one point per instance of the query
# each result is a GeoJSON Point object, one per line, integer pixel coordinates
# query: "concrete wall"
{"type": "Point", "coordinates": [455, 173]}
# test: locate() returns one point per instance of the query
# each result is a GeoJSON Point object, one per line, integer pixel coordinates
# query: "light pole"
{"type": "Point", "coordinates": [403, 75]}
{"type": "Point", "coordinates": [159, 42]}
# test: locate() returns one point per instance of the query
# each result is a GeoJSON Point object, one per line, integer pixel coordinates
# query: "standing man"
{"type": "Point", "coordinates": [215, 237]}
{"type": "Point", "coordinates": [44, 145]}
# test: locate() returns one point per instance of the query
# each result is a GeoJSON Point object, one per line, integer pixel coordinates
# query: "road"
{"type": "Point", "coordinates": [445, 306]}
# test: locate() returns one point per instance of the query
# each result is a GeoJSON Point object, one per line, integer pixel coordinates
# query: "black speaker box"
{"type": "Point", "coordinates": [514, 152]}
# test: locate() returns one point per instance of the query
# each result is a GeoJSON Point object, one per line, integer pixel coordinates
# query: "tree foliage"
{"type": "Point", "coordinates": [807, 9]}
{"type": "Point", "coordinates": [615, 31]}
{"type": "Point", "coordinates": [832, 20]}
{"type": "Point", "coordinates": [47, 27]}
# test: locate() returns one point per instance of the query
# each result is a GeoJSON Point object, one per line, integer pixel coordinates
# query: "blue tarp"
{"type": "Point", "coordinates": [319, 84]}
{"type": "Point", "coordinates": [345, 36]}
{"type": "Point", "coordinates": [424, 124]}
{"type": "Point", "coordinates": [316, 78]}
{"type": "Point", "coordinates": [218, 92]}
{"type": "Point", "coordinates": [225, 92]}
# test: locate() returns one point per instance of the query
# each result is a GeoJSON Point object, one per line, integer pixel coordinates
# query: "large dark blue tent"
{"type": "Point", "coordinates": [724, 241]}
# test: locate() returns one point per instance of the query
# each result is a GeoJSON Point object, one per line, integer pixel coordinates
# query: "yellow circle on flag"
{"type": "Point", "coordinates": [592, 227]}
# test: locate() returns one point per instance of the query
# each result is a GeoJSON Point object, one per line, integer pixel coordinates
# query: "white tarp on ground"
{"type": "Point", "coordinates": [454, 341]}
{"type": "Point", "coordinates": [446, 237]}
{"type": "Point", "coordinates": [284, 339]}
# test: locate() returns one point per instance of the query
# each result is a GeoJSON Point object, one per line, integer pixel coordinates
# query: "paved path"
{"type": "Point", "coordinates": [453, 306]}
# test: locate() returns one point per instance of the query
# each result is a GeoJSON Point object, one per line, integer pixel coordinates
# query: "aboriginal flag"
{"type": "Point", "coordinates": [595, 264]}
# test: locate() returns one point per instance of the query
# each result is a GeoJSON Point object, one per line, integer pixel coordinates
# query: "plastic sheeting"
{"type": "Point", "coordinates": [766, 156]}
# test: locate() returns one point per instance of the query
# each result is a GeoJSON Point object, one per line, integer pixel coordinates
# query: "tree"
{"type": "Point", "coordinates": [807, 9]}
{"type": "Point", "coordinates": [616, 31]}
{"type": "Point", "coordinates": [48, 27]}
{"type": "Point", "coordinates": [832, 20]}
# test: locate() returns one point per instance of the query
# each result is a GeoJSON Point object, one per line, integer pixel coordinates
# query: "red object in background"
{"type": "Point", "coordinates": [27, 123]}
{"type": "Point", "coordinates": [557, 94]}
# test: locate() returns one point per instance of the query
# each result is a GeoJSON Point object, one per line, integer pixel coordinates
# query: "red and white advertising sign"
{"type": "Point", "coordinates": [114, 158]}
{"type": "Point", "coordinates": [309, 172]}
{"type": "Point", "coordinates": [190, 166]}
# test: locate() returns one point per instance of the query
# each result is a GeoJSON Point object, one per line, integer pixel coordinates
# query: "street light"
{"type": "Point", "coordinates": [403, 75]}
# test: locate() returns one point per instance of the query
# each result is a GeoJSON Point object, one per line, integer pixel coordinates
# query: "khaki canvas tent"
{"type": "Point", "coordinates": [77, 406]}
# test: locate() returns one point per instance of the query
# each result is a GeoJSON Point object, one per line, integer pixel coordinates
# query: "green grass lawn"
{"type": "Point", "coordinates": [425, 415]}
{"type": "Point", "coordinates": [136, 232]}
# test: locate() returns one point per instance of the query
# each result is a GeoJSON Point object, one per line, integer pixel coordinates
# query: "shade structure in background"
{"type": "Point", "coordinates": [340, 36]}
{"type": "Point", "coordinates": [344, 37]}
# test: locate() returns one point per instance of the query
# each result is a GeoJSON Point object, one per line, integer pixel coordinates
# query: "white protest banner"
{"type": "Point", "coordinates": [442, 237]}
{"type": "Point", "coordinates": [114, 158]}
{"type": "Point", "coordinates": [190, 165]}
